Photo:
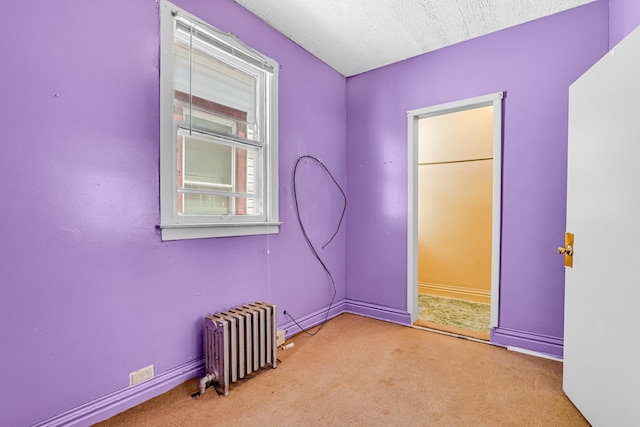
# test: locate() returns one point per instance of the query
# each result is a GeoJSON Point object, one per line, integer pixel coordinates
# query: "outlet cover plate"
{"type": "Point", "coordinates": [141, 375]}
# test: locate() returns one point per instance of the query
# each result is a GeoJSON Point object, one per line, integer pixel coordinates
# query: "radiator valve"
{"type": "Point", "coordinates": [204, 381]}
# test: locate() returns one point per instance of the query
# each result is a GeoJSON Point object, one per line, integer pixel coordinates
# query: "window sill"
{"type": "Point", "coordinates": [203, 231]}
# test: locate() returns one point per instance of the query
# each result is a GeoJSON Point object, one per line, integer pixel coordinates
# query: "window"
{"type": "Point", "coordinates": [218, 132]}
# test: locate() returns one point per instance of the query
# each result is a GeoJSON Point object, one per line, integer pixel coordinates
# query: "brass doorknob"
{"type": "Point", "coordinates": [566, 251]}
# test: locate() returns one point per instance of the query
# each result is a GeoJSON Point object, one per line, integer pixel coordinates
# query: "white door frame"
{"type": "Point", "coordinates": [494, 99]}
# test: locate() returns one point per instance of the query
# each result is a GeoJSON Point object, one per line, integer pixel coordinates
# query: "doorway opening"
{"type": "Point", "coordinates": [454, 215]}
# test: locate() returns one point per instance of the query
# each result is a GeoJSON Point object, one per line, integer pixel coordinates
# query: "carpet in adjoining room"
{"type": "Point", "coordinates": [459, 314]}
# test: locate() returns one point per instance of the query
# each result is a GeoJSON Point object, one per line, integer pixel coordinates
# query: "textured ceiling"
{"type": "Point", "coordinates": [354, 36]}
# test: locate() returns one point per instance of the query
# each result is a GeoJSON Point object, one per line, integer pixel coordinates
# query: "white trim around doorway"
{"type": "Point", "coordinates": [413, 116]}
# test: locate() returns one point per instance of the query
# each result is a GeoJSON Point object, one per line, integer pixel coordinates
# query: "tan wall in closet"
{"type": "Point", "coordinates": [454, 204]}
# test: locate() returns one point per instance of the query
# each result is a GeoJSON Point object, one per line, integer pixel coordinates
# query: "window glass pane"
{"type": "Point", "coordinates": [229, 87]}
{"type": "Point", "coordinates": [216, 124]}
{"type": "Point", "coordinates": [217, 90]}
{"type": "Point", "coordinates": [206, 204]}
{"type": "Point", "coordinates": [209, 168]}
{"type": "Point", "coordinates": [207, 165]}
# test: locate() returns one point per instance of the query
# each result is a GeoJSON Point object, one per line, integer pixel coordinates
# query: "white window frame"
{"type": "Point", "coordinates": [173, 225]}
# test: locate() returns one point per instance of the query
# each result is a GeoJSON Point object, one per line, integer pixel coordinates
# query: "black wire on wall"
{"type": "Point", "coordinates": [308, 240]}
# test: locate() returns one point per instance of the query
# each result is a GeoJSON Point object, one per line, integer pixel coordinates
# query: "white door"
{"type": "Point", "coordinates": [602, 297]}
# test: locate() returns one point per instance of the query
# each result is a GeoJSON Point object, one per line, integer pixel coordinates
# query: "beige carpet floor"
{"type": "Point", "coordinates": [363, 372]}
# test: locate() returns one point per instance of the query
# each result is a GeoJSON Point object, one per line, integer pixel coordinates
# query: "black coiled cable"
{"type": "Point", "coordinates": [308, 240]}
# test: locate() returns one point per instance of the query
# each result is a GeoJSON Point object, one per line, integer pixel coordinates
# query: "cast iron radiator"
{"type": "Point", "coordinates": [238, 342]}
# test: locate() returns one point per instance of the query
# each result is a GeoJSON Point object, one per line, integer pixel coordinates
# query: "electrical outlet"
{"type": "Point", "coordinates": [140, 375]}
{"type": "Point", "coordinates": [279, 338]}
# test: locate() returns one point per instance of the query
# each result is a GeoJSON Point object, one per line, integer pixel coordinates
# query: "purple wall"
{"type": "Point", "coordinates": [88, 292]}
{"type": "Point", "coordinates": [534, 63]}
{"type": "Point", "coordinates": [624, 17]}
